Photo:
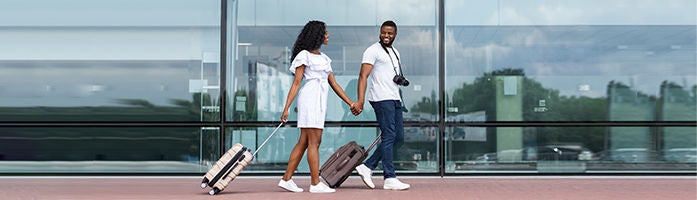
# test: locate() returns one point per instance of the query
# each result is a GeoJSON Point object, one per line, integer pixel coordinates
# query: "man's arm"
{"type": "Point", "coordinates": [362, 84]}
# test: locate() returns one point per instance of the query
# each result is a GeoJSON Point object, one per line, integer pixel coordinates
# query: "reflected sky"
{"type": "Point", "coordinates": [565, 45]}
{"type": "Point", "coordinates": [570, 12]}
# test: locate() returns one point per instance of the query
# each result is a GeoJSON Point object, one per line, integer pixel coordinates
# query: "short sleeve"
{"type": "Point", "coordinates": [300, 59]}
{"type": "Point", "coordinates": [369, 56]}
{"type": "Point", "coordinates": [329, 63]}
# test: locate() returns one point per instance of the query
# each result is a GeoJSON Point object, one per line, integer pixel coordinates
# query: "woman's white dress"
{"type": "Point", "coordinates": [312, 98]}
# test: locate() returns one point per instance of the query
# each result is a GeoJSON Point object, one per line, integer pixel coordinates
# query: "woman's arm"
{"type": "Point", "coordinates": [293, 91]}
{"type": "Point", "coordinates": [338, 90]}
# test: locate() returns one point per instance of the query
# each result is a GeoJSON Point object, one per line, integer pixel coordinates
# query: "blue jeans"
{"type": "Point", "coordinates": [389, 116]}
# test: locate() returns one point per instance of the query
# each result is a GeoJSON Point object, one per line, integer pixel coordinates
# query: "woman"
{"type": "Point", "coordinates": [314, 66]}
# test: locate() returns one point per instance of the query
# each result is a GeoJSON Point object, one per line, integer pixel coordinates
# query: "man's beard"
{"type": "Point", "coordinates": [388, 44]}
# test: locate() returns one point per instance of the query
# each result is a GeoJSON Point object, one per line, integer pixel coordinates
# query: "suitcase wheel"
{"type": "Point", "coordinates": [204, 183]}
{"type": "Point", "coordinates": [214, 191]}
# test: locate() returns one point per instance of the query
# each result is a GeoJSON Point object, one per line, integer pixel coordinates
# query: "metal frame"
{"type": "Point", "coordinates": [441, 124]}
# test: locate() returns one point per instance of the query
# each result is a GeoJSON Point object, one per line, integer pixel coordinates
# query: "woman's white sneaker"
{"type": "Point", "coordinates": [395, 184]}
{"type": "Point", "coordinates": [321, 188]}
{"type": "Point", "coordinates": [289, 185]}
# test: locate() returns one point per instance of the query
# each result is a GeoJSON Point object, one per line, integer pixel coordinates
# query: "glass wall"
{"type": "Point", "coordinates": [81, 60]}
{"type": "Point", "coordinates": [504, 86]}
{"type": "Point", "coordinates": [260, 79]}
{"type": "Point", "coordinates": [570, 62]}
{"type": "Point", "coordinates": [108, 150]}
{"type": "Point", "coordinates": [562, 150]}
{"type": "Point", "coordinates": [258, 62]}
{"type": "Point", "coordinates": [66, 66]}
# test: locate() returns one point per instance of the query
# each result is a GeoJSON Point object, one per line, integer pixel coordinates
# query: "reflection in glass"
{"type": "Point", "coordinates": [261, 78]}
{"type": "Point", "coordinates": [104, 150]}
{"type": "Point", "coordinates": [417, 154]}
{"type": "Point", "coordinates": [564, 150]}
{"type": "Point", "coordinates": [108, 61]}
{"type": "Point", "coordinates": [274, 156]}
{"type": "Point", "coordinates": [569, 73]}
{"type": "Point", "coordinates": [100, 91]}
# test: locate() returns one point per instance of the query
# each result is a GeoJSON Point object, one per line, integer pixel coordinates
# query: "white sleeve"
{"type": "Point", "coordinates": [369, 56]}
{"type": "Point", "coordinates": [300, 59]}
{"type": "Point", "coordinates": [329, 63]}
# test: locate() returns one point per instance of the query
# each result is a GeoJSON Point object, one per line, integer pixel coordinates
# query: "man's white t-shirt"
{"type": "Point", "coordinates": [380, 78]}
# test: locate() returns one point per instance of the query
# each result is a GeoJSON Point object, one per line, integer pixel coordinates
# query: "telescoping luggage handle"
{"type": "Point", "coordinates": [267, 139]}
{"type": "Point", "coordinates": [375, 142]}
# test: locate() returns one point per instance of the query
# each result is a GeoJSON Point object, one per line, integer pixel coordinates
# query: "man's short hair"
{"type": "Point", "coordinates": [389, 23]}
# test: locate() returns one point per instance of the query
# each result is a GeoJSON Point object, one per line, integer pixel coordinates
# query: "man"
{"type": "Point", "coordinates": [381, 64]}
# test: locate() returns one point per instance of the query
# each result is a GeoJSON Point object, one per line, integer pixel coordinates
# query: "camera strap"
{"type": "Point", "coordinates": [399, 63]}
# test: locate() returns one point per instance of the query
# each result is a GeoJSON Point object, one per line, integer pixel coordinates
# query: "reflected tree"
{"type": "Point", "coordinates": [480, 95]}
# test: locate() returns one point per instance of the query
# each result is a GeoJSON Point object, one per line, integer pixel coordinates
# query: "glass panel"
{"type": "Point", "coordinates": [105, 150]}
{"type": "Point", "coordinates": [570, 149]}
{"type": "Point", "coordinates": [262, 84]}
{"type": "Point", "coordinates": [274, 155]}
{"type": "Point", "coordinates": [337, 12]}
{"type": "Point", "coordinates": [110, 61]}
{"type": "Point", "coordinates": [571, 73]}
{"type": "Point", "coordinates": [259, 71]}
{"type": "Point", "coordinates": [570, 12]}
{"type": "Point", "coordinates": [545, 60]}
{"type": "Point", "coordinates": [417, 154]}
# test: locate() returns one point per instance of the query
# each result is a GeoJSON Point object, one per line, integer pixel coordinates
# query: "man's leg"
{"type": "Point", "coordinates": [365, 170]}
{"type": "Point", "coordinates": [389, 132]}
{"type": "Point", "coordinates": [391, 181]}
{"type": "Point", "coordinates": [374, 159]}
{"type": "Point", "coordinates": [399, 126]}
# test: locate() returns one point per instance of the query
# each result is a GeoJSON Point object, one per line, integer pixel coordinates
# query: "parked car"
{"type": "Point", "coordinates": [558, 152]}
{"type": "Point", "coordinates": [688, 155]}
{"type": "Point", "coordinates": [487, 157]}
{"type": "Point", "coordinates": [630, 154]}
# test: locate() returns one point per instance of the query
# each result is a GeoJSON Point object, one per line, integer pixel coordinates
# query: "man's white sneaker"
{"type": "Point", "coordinates": [366, 175]}
{"type": "Point", "coordinates": [395, 184]}
{"type": "Point", "coordinates": [289, 185]}
{"type": "Point", "coordinates": [321, 188]}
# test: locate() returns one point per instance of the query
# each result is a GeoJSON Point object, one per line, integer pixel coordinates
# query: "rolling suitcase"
{"type": "Point", "coordinates": [230, 165]}
{"type": "Point", "coordinates": [340, 165]}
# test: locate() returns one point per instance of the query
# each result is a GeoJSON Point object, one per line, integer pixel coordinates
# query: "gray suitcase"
{"type": "Point", "coordinates": [340, 164]}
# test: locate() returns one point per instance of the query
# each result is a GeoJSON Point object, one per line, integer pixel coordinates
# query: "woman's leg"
{"type": "Point", "coordinates": [314, 139]}
{"type": "Point", "coordinates": [297, 154]}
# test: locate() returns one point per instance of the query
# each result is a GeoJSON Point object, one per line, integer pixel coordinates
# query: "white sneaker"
{"type": "Point", "coordinates": [289, 185]}
{"type": "Point", "coordinates": [395, 184]}
{"type": "Point", "coordinates": [321, 188]}
{"type": "Point", "coordinates": [366, 175]}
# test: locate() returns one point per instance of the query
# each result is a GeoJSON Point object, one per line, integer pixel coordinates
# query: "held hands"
{"type": "Point", "coordinates": [356, 108]}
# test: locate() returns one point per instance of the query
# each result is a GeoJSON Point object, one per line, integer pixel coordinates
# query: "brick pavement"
{"type": "Point", "coordinates": [495, 187]}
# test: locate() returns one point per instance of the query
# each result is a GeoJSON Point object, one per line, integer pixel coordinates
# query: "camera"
{"type": "Point", "coordinates": [400, 80]}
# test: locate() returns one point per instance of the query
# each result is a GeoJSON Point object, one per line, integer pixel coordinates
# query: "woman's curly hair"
{"type": "Point", "coordinates": [310, 38]}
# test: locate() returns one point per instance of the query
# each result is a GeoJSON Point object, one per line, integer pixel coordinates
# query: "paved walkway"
{"type": "Point", "coordinates": [423, 188]}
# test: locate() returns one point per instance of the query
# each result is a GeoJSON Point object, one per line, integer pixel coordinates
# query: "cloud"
{"type": "Point", "coordinates": [407, 12]}
{"type": "Point", "coordinates": [616, 12]}
{"type": "Point", "coordinates": [477, 58]}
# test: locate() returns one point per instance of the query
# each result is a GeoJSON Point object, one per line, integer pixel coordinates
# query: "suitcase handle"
{"type": "Point", "coordinates": [375, 142]}
{"type": "Point", "coordinates": [267, 138]}
{"type": "Point", "coordinates": [346, 160]}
